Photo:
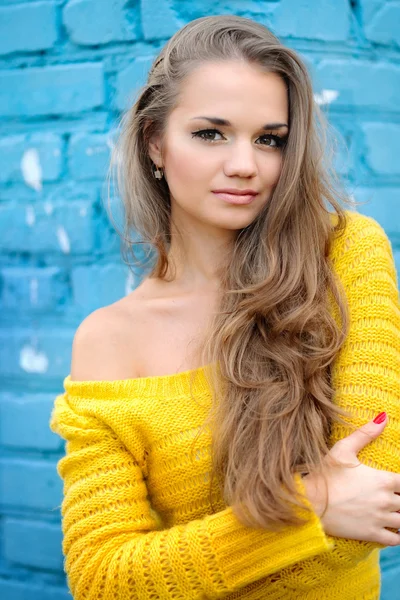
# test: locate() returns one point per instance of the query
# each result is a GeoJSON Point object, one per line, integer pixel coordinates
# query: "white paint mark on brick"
{"type": "Point", "coordinates": [326, 97]}
{"type": "Point", "coordinates": [83, 211]}
{"type": "Point", "coordinates": [89, 151]}
{"type": "Point", "coordinates": [56, 152]}
{"type": "Point", "coordinates": [31, 169]}
{"type": "Point", "coordinates": [63, 239]}
{"type": "Point", "coordinates": [129, 283]}
{"type": "Point", "coordinates": [48, 208]}
{"type": "Point", "coordinates": [30, 216]}
{"type": "Point", "coordinates": [33, 290]}
{"type": "Point", "coordinates": [33, 361]}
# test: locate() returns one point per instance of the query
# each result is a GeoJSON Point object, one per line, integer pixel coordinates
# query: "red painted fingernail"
{"type": "Point", "coordinates": [380, 418]}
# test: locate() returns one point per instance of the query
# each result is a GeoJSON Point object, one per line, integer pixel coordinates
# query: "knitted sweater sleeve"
{"type": "Point", "coordinates": [114, 545]}
{"type": "Point", "coordinates": [366, 374]}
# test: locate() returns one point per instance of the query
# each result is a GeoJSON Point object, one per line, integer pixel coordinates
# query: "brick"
{"type": "Point", "coordinates": [344, 159]}
{"type": "Point", "coordinates": [101, 21]}
{"type": "Point", "coordinates": [26, 353]}
{"type": "Point", "coordinates": [66, 189]}
{"type": "Point", "coordinates": [187, 10]}
{"type": "Point", "coordinates": [24, 422]}
{"type": "Point", "coordinates": [33, 288]}
{"type": "Point", "coordinates": [89, 155]}
{"type": "Point", "coordinates": [389, 561]}
{"type": "Point", "coordinates": [382, 147]}
{"type": "Point", "coordinates": [389, 555]}
{"type": "Point", "coordinates": [61, 227]}
{"type": "Point", "coordinates": [30, 484]}
{"type": "Point", "coordinates": [383, 25]}
{"type": "Point", "coordinates": [396, 256]}
{"type": "Point", "coordinates": [160, 23]}
{"type": "Point", "coordinates": [15, 590]}
{"type": "Point", "coordinates": [51, 90]}
{"type": "Point", "coordinates": [27, 27]}
{"type": "Point", "coordinates": [383, 204]}
{"type": "Point", "coordinates": [130, 80]}
{"type": "Point", "coordinates": [326, 21]}
{"type": "Point", "coordinates": [110, 227]}
{"type": "Point", "coordinates": [367, 8]}
{"type": "Point", "coordinates": [353, 80]}
{"type": "Point", "coordinates": [34, 544]}
{"type": "Point", "coordinates": [14, 154]}
{"type": "Point", "coordinates": [109, 240]}
{"type": "Point", "coordinates": [99, 285]}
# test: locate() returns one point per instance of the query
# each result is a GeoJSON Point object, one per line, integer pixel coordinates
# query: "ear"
{"type": "Point", "coordinates": [155, 148]}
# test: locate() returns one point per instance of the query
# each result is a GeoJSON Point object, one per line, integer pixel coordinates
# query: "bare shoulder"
{"type": "Point", "coordinates": [102, 348]}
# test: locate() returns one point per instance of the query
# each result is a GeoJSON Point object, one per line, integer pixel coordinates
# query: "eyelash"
{"type": "Point", "coordinates": [280, 141]}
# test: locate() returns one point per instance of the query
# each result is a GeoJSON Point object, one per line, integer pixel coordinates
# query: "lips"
{"type": "Point", "coordinates": [235, 198]}
{"type": "Point", "coordinates": [236, 192]}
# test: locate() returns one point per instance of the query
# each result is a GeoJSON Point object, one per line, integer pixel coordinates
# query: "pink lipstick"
{"type": "Point", "coordinates": [235, 196]}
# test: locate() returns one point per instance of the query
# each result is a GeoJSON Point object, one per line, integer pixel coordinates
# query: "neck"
{"type": "Point", "coordinates": [197, 255]}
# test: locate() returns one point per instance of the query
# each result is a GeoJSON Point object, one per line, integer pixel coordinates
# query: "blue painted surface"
{"type": "Point", "coordinates": [66, 70]}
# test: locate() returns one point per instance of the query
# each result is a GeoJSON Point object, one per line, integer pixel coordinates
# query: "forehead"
{"type": "Point", "coordinates": [232, 89]}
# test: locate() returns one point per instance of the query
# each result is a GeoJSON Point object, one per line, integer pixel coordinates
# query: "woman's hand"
{"type": "Point", "coordinates": [361, 501]}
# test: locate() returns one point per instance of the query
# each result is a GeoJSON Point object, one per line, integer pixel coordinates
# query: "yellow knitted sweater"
{"type": "Point", "coordinates": [137, 521]}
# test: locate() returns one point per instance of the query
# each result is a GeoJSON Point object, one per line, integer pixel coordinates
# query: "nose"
{"type": "Point", "coordinates": [241, 160]}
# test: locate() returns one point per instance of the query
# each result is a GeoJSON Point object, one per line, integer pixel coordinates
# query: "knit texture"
{"type": "Point", "coordinates": [136, 512]}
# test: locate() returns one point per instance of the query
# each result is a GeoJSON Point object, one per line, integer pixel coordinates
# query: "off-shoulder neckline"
{"type": "Point", "coordinates": [191, 381]}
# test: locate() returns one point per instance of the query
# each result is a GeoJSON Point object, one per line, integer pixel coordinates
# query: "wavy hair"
{"type": "Point", "coordinates": [272, 342]}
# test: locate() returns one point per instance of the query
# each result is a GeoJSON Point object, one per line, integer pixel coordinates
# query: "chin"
{"type": "Point", "coordinates": [234, 224]}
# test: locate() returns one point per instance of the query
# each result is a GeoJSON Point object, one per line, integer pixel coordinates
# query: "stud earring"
{"type": "Point", "coordinates": [158, 172]}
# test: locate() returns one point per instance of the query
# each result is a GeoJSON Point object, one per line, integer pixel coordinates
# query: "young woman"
{"type": "Point", "coordinates": [221, 440]}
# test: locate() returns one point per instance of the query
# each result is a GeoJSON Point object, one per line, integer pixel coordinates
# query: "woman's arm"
{"type": "Point", "coordinates": [112, 541]}
{"type": "Point", "coordinates": [366, 373]}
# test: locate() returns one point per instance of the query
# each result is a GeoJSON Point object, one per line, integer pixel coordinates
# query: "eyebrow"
{"type": "Point", "coordinates": [224, 122]}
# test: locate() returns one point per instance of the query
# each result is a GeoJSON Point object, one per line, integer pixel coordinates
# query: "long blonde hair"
{"type": "Point", "coordinates": [273, 339]}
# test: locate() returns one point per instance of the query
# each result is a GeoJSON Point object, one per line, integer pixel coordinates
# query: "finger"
{"type": "Point", "coordinates": [395, 503]}
{"type": "Point", "coordinates": [388, 538]}
{"type": "Point", "coordinates": [364, 435]}
{"type": "Point", "coordinates": [393, 520]}
{"type": "Point", "coordinates": [391, 483]}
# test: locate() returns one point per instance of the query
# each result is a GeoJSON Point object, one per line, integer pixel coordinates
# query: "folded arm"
{"type": "Point", "coordinates": [113, 543]}
{"type": "Point", "coordinates": [366, 373]}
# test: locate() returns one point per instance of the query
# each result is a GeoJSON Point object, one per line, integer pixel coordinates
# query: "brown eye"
{"type": "Point", "coordinates": [278, 142]}
{"type": "Point", "coordinates": [206, 134]}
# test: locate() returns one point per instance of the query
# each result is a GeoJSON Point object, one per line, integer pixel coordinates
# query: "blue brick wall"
{"type": "Point", "coordinates": [67, 69]}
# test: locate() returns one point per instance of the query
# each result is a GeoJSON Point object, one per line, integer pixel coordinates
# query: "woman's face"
{"type": "Point", "coordinates": [219, 136]}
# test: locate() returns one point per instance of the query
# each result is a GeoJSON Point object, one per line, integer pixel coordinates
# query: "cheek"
{"type": "Point", "coordinates": [273, 168]}
{"type": "Point", "coordinates": [186, 163]}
